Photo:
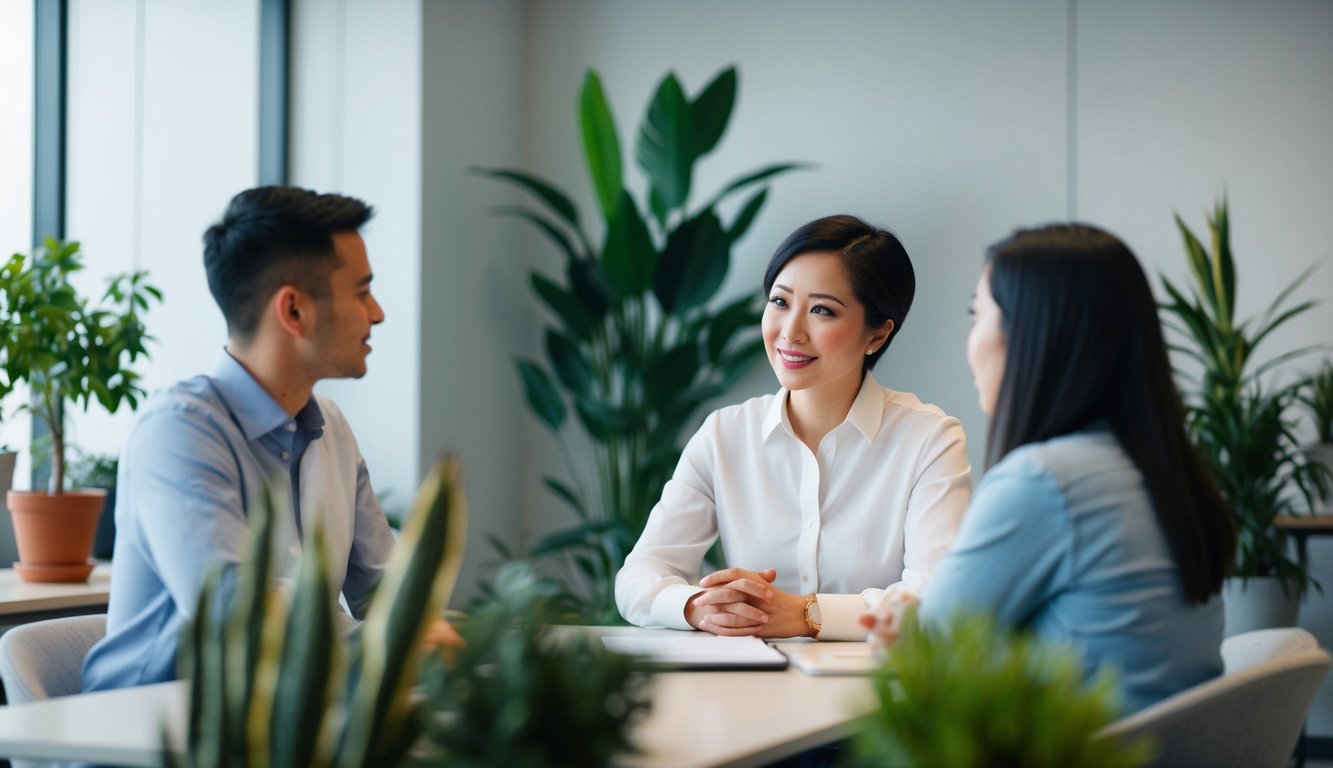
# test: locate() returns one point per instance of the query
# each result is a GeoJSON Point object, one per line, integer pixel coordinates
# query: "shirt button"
{"type": "Point", "coordinates": [285, 455]}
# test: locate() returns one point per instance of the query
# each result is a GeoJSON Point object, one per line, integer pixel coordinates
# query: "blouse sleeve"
{"type": "Point", "coordinates": [1012, 554]}
{"type": "Point", "coordinates": [661, 573]}
{"type": "Point", "coordinates": [934, 512]}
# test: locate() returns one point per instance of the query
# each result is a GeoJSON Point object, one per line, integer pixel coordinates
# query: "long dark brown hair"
{"type": "Point", "coordinates": [1084, 345]}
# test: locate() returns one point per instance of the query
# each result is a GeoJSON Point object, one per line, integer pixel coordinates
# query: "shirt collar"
{"type": "Point", "coordinates": [866, 413]}
{"type": "Point", "coordinates": [255, 410]}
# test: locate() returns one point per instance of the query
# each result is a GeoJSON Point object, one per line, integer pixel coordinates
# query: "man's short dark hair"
{"type": "Point", "coordinates": [270, 237]}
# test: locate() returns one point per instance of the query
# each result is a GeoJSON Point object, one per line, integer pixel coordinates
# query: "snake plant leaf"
{"type": "Point", "coordinates": [601, 144]}
{"type": "Point", "coordinates": [665, 148]}
{"type": "Point", "coordinates": [306, 681]}
{"type": "Point", "coordinates": [746, 216]}
{"type": "Point", "coordinates": [693, 264]}
{"type": "Point", "coordinates": [745, 312]}
{"type": "Point", "coordinates": [628, 256]}
{"type": "Point", "coordinates": [556, 200]}
{"type": "Point", "coordinates": [711, 112]}
{"type": "Point", "coordinates": [249, 607]}
{"type": "Point", "coordinates": [754, 177]}
{"type": "Point", "coordinates": [571, 367]}
{"type": "Point", "coordinates": [542, 396]}
{"type": "Point", "coordinates": [565, 305]}
{"type": "Point", "coordinates": [413, 592]}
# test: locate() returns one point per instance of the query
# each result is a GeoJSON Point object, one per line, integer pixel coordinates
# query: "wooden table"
{"type": "Point", "coordinates": [698, 719]}
{"type": "Point", "coordinates": [22, 602]}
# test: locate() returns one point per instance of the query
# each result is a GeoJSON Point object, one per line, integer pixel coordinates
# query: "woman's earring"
{"type": "Point", "coordinates": [870, 352]}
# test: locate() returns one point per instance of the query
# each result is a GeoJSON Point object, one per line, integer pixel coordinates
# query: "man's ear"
{"type": "Point", "coordinates": [291, 310]}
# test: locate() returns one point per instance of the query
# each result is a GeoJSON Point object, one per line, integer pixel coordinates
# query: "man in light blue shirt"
{"type": "Point", "coordinates": [290, 273]}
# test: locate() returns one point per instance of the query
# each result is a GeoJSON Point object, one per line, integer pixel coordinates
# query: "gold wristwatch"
{"type": "Point", "coordinates": [813, 618]}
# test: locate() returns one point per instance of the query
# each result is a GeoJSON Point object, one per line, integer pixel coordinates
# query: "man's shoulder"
{"type": "Point", "coordinates": [195, 394]}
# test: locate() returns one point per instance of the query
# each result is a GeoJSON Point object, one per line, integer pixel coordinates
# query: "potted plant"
{"type": "Point", "coordinates": [635, 346]}
{"type": "Point", "coordinates": [1238, 420]}
{"type": "Point", "coordinates": [67, 350]}
{"type": "Point", "coordinates": [1318, 399]}
{"type": "Point", "coordinates": [974, 694]}
{"type": "Point", "coordinates": [273, 683]}
{"type": "Point", "coordinates": [98, 470]}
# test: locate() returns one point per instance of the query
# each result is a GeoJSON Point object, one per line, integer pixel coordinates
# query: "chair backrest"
{"type": "Point", "coordinates": [45, 658]}
{"type": "Point", "coordinates": [1250, 716]}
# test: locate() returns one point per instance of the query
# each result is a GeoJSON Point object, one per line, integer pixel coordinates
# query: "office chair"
{"type": "Point", "coordinates": [45, 658]}
{"type": "Point", "coordinates": [1249, 716]}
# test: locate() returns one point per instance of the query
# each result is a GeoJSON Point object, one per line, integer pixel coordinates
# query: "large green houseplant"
{"type": "Point", "coordinates": [635, 345]}
{"type": "Point", "coordinates": [1238, 416]}
{"type": "Point", "coordinates": [69, 351]}
{"type": "Point", "coordinates": [1318, 399]}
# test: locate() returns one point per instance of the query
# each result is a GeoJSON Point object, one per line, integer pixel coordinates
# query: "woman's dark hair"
{"type": "Point", "coordinates": [1084, 344]}
{"type": "Point", "coordinates": [877, 266]}
{"type": "Point", "coordinates": [270, 237]}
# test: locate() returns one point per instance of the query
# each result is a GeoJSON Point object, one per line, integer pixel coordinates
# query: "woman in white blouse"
{"type": "Point", "coordinates": [825, 494]}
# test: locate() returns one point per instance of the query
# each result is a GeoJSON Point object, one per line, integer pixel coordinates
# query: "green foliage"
{"type": "Point", "coordinates": [1237, 419]}
{"type": "Point", "coordinates": [93, 470]}
{"type": "Point", "coordinates": [66, 348]}
{"type": "Point", "coordinates": [273, 683]}
{"type": "Point", "coordinates": [634, 348]}
{"type": "Point", "coordinates": [973, 695]}
{"type": "Point", "coordinates": [511, 698]}
{"type": "Point", "coordinates": [1318, 398]}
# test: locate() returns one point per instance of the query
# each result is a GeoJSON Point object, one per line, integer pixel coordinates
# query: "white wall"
{"type": "Point", "coordinates": [356, 129]}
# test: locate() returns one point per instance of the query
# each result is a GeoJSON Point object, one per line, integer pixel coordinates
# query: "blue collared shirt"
{"type": "Point", "coordinates": [199, 455]}
{"type": "Point", "coordinates": [1062, 539]}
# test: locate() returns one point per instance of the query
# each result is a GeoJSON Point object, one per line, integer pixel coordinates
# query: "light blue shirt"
{"type": "Point", "coordinates": [1061, 538]}
{"type": "Point", "coordinates": [198, 456]}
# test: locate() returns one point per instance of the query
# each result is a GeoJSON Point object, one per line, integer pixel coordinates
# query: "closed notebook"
{"type": "Point", "coordinates": [696, 651]}
{"type": "Point", "coordinates": [831, 658]}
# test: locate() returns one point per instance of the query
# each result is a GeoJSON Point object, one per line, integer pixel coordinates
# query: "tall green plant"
{"type": "Point", "coordinates": [272, 682]}
{"type": "Point", "coordinates": [635, 346]}
{"type": "Point", "coordinates": [1237, 416]}
{"type": "Point", "coordinates": [66, 348]}
{"type": "Point", "coordinates": [973, 694]}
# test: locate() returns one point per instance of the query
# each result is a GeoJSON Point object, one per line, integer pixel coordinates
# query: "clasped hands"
{"type": "Point", "coordinates": [736, 602]}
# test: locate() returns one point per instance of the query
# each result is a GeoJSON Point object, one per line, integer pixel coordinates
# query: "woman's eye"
{"type": "Point", "coordinates": [820, 309]}
{"type": "Point", "coordinates": [778, 302]}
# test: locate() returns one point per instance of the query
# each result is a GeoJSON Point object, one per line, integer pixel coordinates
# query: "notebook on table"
{"type": "Point", "coordinates": [690, 651]}
{"type": "Point", "coordinates": [831, 658]}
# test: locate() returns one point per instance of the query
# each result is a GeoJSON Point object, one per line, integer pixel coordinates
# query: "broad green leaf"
{"type": "Point", "coordinates": [754, 177]}
{"type": "Point", "coordinates": [603, 421]}
{"type": "Point", "coordinates": [711, 111]}
{"type": "Point", "coordinates": [742, 313]}
{"type": "Point", "coordinates": [588, 282]}
{"type": "Point", "coordinates": [571, 367]}
{"type": "Point", "coordinates": [544, 225]}
{"type": "Point", "coordinates": [747, 215]}
{"type": "Point", "coordinates": [693, 265]}
{"type": "Point", "coordinates": [543, 398]}
{"type": "Point", "coordinates": [669, 375]}
{"type": "Point", "coordinates": [556, 200]}
{"type": "Point", "coordinates": [628, 256]}
{"type": "Point", "coordinates": [565, 305]}
{"type": "Point", "coordinates": [601, 146]}
{"type": "Point", "coordinates": [665, 145]}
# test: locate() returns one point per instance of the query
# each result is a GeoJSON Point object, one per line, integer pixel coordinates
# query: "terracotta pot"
{"type": "Point", "coordinates": [55, 533]}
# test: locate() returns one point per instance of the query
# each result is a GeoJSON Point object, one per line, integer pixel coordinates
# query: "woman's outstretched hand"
{"type": "Point", "coordinates": [885, 621]}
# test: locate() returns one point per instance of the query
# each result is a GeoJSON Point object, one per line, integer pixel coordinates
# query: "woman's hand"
{"type": "Point", "coordinates": [739, 602]}
{"type": "Point", "coordinates": [884, 622]}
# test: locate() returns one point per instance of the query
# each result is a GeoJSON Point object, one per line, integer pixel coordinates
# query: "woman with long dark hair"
{"type": "Point", "coordinates": [824, 494]}
{"type": "Point", "coordinates": [1095, 522]}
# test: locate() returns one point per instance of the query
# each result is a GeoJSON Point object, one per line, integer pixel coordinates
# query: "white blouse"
{"type": "Point", "coordinates": [874, 508]}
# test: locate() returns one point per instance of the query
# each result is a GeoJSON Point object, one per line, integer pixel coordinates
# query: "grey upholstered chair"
{"type": "Point", "coordinates": [45, 658]}
{"type": "Point", "coordinates": [1250, 716]}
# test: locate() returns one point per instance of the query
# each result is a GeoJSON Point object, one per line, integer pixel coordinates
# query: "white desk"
{"type": "Point", "coordinates": [21, 601]}
{"type": "Point", "coordinates": [698, 719]}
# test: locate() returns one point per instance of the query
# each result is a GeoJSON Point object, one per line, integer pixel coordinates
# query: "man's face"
{"type": "Point", "coordinates": [344, 317]}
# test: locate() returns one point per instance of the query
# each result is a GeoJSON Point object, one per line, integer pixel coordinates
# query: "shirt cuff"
{"type": "Point", "coordinates": [669, 606]}
{"type": "Point", "coordinates": [841, 617]}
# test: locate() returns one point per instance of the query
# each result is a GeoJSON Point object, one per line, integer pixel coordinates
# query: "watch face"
{"type": "Point", "coordinates": [813, 612]}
